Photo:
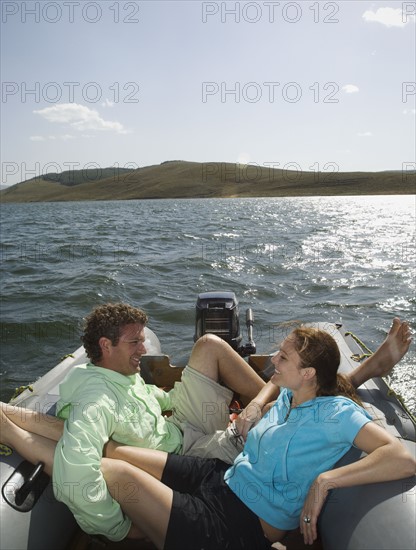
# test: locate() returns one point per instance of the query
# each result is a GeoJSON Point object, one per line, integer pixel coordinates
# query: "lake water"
{"type": "Point", "coordinates": [348, 259]}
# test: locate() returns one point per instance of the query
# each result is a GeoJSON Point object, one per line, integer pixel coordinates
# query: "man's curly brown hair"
{"type": "Point", "coordinates": [108, 320]}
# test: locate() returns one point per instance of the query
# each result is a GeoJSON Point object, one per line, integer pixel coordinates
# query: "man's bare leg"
{"type": "Point", "coordinates": [32, 447]}
{"type": "Point", "coordinates": [217, 360]}
{"type": "Point", "coordinates": [394, 347]}
{"type": "Point", "coordinates": [35, 422]}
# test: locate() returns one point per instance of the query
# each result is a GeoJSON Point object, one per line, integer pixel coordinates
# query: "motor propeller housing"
{"type": "Point", "coordinates": [218, 313]}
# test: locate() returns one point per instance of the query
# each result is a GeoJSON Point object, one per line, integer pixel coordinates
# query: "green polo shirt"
{"type": "Point", "coordinates": [99, 404]}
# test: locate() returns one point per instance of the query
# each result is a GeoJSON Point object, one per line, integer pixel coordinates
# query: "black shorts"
{"type": "Point", "coordinates": [206, 514]}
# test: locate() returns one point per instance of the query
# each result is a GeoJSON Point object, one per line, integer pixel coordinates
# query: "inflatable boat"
{"type": "Point", "coordinates": [378, 516]}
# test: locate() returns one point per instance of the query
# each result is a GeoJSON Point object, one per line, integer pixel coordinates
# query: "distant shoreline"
{"type": "Point", "coordinates": [186, 180]}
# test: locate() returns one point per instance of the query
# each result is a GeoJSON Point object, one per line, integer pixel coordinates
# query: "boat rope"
{"type": "Point", "coordinates": [20, 390]}
{"type": "Point", "coordinates": [5, 450]}
{"type": "Point", "coordinates": [66, 356]}
{"type": "Point", "coordinates": [356, 356]}
{"type": "Point", "coordinates": [392, 393]}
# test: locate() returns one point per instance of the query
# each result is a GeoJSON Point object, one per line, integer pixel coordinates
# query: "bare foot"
{"type": "Point", "coordinates": [34, 421]}
{"type": "Point", "coordinates": [12, 411]}
{"type": "Point", "coordinates": [32, 447]}
{"type": "Point", "coordinates": [391, 351]}
{"type": "Point", "coordinates": [6, 426]}
{"type": "Point", "coordinates": [3, 407]}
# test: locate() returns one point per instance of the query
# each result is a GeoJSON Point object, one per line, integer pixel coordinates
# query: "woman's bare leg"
{"type": "Point", "coordinates": [394, 347]}
{"type": "Point", "coordinates": [151, 461]}
{"type": "Point", "coordinates": [34, 448]}
{"type": "Point", "coordinates": [144, 499]}
{"type": "Point", "coordinates": [217, 360]}
{"type": "Point", "coordinates": [34, 422]}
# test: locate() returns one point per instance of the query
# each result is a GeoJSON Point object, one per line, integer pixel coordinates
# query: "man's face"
{"type": "Point", "coordinates": [125, 356]}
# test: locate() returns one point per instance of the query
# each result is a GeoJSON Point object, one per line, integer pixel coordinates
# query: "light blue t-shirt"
{"type": "Point", "coordinates": [288, 449]}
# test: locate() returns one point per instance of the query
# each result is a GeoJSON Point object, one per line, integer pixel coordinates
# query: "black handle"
{"type": "Point", "coordinates": [250, 347]}
{"type": "Point", "coordinates": [24, 490]}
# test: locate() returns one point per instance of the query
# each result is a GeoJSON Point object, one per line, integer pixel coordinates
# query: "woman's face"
{"type": "Point", "coordinates": [286, 361]}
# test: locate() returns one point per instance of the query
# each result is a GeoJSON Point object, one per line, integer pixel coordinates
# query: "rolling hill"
{"type": "Point", "coordinates": [182, 179]}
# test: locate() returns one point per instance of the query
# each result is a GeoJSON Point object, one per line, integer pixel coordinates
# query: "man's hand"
{"type": "Point", "coordinates": [248, 418]}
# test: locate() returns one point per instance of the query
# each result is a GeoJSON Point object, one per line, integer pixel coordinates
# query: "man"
{"type": "Point", "coordinates": [107, 399]}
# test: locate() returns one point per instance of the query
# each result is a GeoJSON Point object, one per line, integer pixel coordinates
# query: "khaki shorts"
{"type": "Point", "coordinates": [200, 408]}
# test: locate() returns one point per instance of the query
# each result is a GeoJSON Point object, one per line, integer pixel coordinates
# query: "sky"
{"type": "Point", "coordinates": [297, 85]}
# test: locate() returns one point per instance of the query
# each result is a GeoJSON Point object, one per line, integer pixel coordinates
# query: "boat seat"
{"type": "Point", "coordinates": [157, 370]}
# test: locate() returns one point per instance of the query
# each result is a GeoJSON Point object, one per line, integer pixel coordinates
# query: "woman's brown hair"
{"type": "Point", "coordinates": [319, 350]}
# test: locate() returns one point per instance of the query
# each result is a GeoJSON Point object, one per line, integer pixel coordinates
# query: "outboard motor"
{"type": "Point", "coordinates": [217, 313]}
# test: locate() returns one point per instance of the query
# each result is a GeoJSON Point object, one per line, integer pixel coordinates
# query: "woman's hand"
{"type": "Point", "coordinates": [312, 508]}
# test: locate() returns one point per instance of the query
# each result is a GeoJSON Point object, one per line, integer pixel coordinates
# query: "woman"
{"type": "Point", "coordinates": [282, 477]}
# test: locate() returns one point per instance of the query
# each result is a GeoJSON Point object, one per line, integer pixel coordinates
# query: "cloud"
{"type": "Point", "coordinates": [365, 134]}
{"type": "Point", "coordinates": [243, 158]}
{"type": "Point", "coordinates": [79, 118]}
{"type": "Point", "coordinates": [107, 103]}
{"type": "Point", "coordinates": [389, 17]}
{"type": "Point", "coordinates": [350, 89]}
{"type": "Point", "coordinates": [63, 137]}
